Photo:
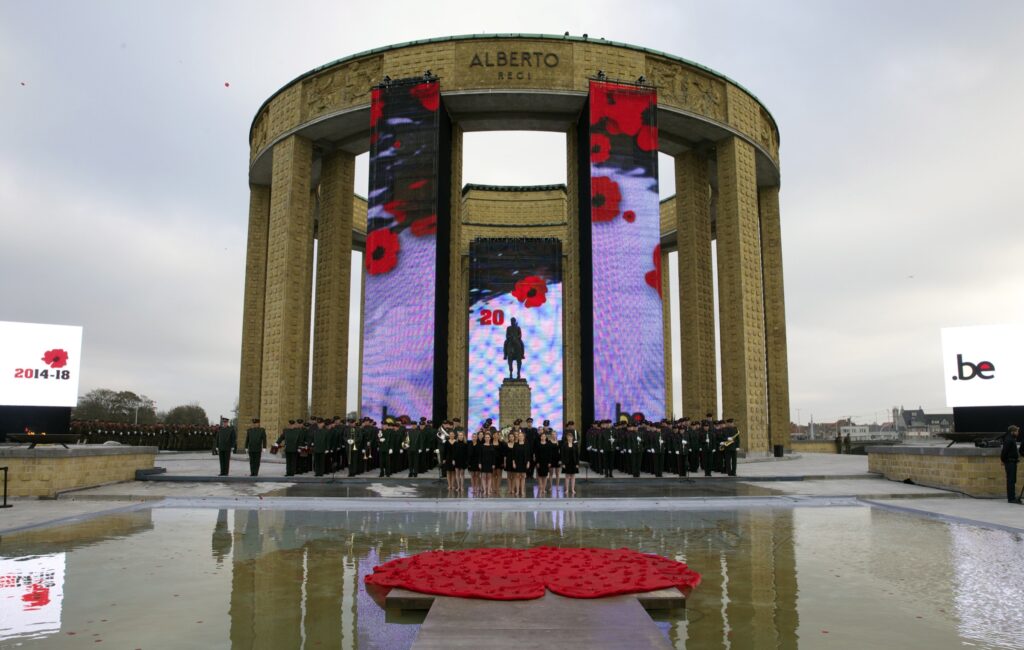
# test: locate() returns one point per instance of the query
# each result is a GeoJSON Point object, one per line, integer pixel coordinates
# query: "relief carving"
{"type": "Point", "coordinates": [687, 89]}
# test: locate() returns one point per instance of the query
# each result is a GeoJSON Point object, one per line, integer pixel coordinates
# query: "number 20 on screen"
{"type": "Point", "coordinates": [492, 317]}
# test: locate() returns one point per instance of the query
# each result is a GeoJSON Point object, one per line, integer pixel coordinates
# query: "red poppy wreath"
{"type": "Point", "coordinates": [524, 574]}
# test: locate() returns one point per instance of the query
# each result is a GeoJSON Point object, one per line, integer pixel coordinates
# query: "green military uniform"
{"type": "Point", "coordinates": [292, 437]}
{"type": "Point", "coordinates": [321, 440]}
{"type": "Point", "coordinates": [255, 443]}
{"type": "Point", "coordinates": [224, 443]}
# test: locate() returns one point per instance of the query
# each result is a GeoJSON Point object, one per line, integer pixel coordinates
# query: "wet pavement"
{"type": "Point", "coordinates": [833, 576]}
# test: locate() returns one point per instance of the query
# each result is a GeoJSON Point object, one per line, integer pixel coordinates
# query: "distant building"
{"type": "Point", "coordinates": [915, 423]}
{"type": "Point", "coordinates": [863, 432]}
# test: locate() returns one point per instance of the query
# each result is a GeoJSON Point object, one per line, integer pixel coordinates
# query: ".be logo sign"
{"type": "Point", "coordinates": [978, 370]}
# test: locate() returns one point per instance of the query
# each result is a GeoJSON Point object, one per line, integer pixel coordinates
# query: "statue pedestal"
{"type": "Point", "coordinates": [513, 402]}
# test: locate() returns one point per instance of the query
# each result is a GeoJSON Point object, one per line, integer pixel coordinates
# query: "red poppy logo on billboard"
{"type": "Point", "coordinates": [55, 358]}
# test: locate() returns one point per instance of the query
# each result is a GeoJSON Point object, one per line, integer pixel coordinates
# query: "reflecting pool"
{"type": "Point", "coordinates": [839, 577]}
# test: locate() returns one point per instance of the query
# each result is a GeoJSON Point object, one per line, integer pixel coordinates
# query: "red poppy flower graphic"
{"type": "Point", "coordinates": [629, 216]}
{"type": "Point", "coordinates": [523, 574]}
{"type": "Point", "coordinates": [37, 596]}
{"type": "Point", "coordinates": [653, 278]}
{"type": "Point", "coordinates": [425, 226]}
{"type": "Point", "coordinates": [647, 138]}
{"type": "Point", "coordinates": [396, 208]}
{"type": "Point", "coordinates": [56, 358]}
{"type": "Point", "coordinates": [531, 291]}
{"type": "Point", "coordinates": [376, 106]}
{"type": "Point", "coordinates": [623, 107]}
{"type": "Point", "coordinates": [428, 95]}
{"type": "Point", "coordinates": [604, 198]}
{"type": "Point", "coordinates": [600, 148]}
{"type": "Point", "coordinates": [381, 251]}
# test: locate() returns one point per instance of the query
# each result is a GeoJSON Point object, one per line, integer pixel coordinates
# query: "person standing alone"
{"type": "Point", "coordinates": [1010, 457]}
{"type": "Point", "coordinates": [255, 443]}
{"type": "Point", "coordinates": [224, 442]}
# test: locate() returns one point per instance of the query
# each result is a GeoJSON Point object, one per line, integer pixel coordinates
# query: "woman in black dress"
{"type": "Point", "coordinates": [510, 471]}
{"type": "Point", "coordinates": [485, 464]}
{"type": "Point", "coordinates": [473, 460]}
{"type": "Point", "coordinates": [460, 452]}
{"type": "Point", "coordinates": [521, 463]}
{"type": "Point", "coordinates": [570, 453]}
{"type": "Point", "coordinates": [556, 458]}
{"type": "Point", "coordinates": [499, 463]}
{"type": "Point", "coordinates": [542, 461]}
{"type": "Point", "coordinates": [448, 459]}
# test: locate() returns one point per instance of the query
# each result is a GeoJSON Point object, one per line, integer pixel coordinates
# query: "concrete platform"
{"type": "Point", "coordinates": [405, 600]}
{"type": "Point", "coordinates": [549, 622]}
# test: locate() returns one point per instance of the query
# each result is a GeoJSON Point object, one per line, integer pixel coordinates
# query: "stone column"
{"type": "Point", "coordinates": [458, 310]}
{"type": "Point", "coordinates": [333, 283]}
{"type": "Point", "coordinates": [287, 300]}
{"type": "Point", "coordinates": [666, 327]}
{"type": "Point", "coordinates": [740, 295]}
{"type": "Point", "coordinates": [253, 307]}
{"type": "Point", "coordinates": [696, 286]}
{"type": "Point", "coordinates": [774, 317]}
{"type": "Point", "coordinates": [314, 211]}
{"type": "Point", "coordinates": [572, 384]}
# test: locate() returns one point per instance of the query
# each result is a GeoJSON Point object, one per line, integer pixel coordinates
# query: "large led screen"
{"type": "Point", "coordinates": [515, 283]}
{"type": "Point", "coordinates": [625, 234]}
{"type": "Point", "coordinates": [984, 365]}
{"type": "Point", "coordinates": [39, 364]}
{"type": "Point", "coordinates": [401, 251]}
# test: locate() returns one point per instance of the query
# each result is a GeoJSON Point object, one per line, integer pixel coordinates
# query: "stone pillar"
{"type": "Point", "coordinates": [287, 300]}
{"type": "Point", "coordinates": [333, 283]}
{"type": "Point", "coordinates": [774, 317]}
{"type": "Point", "coordinates": [314, 211]}
{"type": "Point", "coordinates": [513, 402]}
{"type": "Point", "coordinates": [572, 384]}
{"type": "Point", "coordinates": [253, 308]}
{"type": "Point", "coordinates": [458, 290]}
{"type": "Point", "coordinates": [696, 286]}
{"type": "Point", "coordinates": [740, 295]}
{"type": "Point", "coordinates": [666, 327]}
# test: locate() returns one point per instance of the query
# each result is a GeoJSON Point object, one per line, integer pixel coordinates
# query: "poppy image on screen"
{"type": "Point", "coordinates": [401, 251]}
{"type": "Point", "coordinates": [518, 279]}
{"type": "Point", "coordinates": [626, 253]}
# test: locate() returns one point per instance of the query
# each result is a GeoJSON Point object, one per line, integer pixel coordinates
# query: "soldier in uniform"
{"type": "Point", "coordinates": [320, 442]}
{"type": "Point", "coordinates": [291, 436]}
{"type": "Point", "coordinates": [255, 443]}
{"type": "Point", "coordinates": [224, 443]}
{"type": "Point", "coordinates": [415, 449]}
{"type": "Point", "coordinates": [635, 444]}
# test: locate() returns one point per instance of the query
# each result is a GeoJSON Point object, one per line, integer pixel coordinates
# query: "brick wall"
{"type": "Point", "coordinates": [970, 470]}
{"type": "Point", "coordinates": [45, 472]}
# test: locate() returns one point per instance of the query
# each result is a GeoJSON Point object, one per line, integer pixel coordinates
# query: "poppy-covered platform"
{"type": "Point", "coordinates": [526, 574]}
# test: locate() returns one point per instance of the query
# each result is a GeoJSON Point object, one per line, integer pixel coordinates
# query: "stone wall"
{"type": "Point", "coordinates": [46, 471]}
{"type": "Point", "coordinates": [971, 470]}
{"type": "Point", "coordinates": [813, 446]}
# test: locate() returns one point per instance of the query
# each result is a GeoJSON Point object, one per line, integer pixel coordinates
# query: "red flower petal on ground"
{"type": "Point", "coordinates": [396, 208]}
{"type": "Point", "coordinates": [514, 574]}
{"type": "Point", "coordinates": [531, 291]}
{"type": "Point", "coordinates": [376, 106]}
{"type": "Point", "coordinates": [425, 226]}
{"type": "Point", "coordinates": [600, 148]}
{"type": "Point", "coordinates": [55, 358]}
{"type": "Point", "coordinates": [604, 198]}
{"type": "Point", "coordinates": [428, 94]}
{"type": "Point", "coordinates": [381, 251]}
{"type": "Point", "coordinates": [653, 278]}
{"type": "Point", "coordinates": [647, 138]}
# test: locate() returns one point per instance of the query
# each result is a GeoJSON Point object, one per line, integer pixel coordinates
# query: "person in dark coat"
{"type": "Point", "coordinates": [474, 461]}
{"type": "Point", "coordinates": [1010, 457]}
{"type": "Point", "coordinates": [460, 459]}
{"type": "Point", "coordinates": [569, 451]}
{"type": "Point", "coordinates": [224, 442]}
{"type": "Point", "coordinates": [448, 460]}
{"type": "Point", "coordinates": [255, 443]}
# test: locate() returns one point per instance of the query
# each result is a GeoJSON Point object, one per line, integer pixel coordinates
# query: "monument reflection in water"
{"type": "Point", "coordinates": [297, 582]}
{"type": "Point", "coordinates": [853, 576]}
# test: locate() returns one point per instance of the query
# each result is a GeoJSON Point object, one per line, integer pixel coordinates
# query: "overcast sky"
{"type": "Point", "coordinates": [124, 196]}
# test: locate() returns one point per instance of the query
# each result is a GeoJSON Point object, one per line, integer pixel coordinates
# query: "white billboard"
{"type": "Point", "coordinates": [39, 364]}
{"type": "Point", "coordinates": [31, 595]}
{"type": "Point", "coordinates": [984, 365]}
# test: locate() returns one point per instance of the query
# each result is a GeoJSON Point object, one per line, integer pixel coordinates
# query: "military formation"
{"type": "Point", "coordinates": [170, 437]}
{"type": "Point", "coordinates": [332, 445]}
{"type": "Point", "coordinates": [682, 447]}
